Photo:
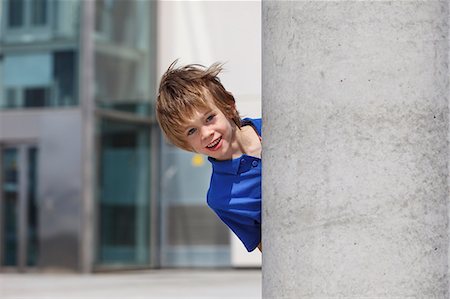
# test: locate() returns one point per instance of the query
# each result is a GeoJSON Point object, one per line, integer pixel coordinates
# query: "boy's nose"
{"type": "Point", "coordinates": [206, 133]}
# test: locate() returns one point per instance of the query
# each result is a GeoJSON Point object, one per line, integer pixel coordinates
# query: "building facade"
{"type": "Point", "coordinates": [86, 182]}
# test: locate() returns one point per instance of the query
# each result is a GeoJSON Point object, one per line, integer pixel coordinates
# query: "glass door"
{"type": "Point", "coordinates": [18, 207]}
{"type": "Point", "coordinates": [123, 193]}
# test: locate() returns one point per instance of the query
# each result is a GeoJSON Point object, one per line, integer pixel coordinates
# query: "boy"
{"type": "Point", "coordinates": [197, 114]}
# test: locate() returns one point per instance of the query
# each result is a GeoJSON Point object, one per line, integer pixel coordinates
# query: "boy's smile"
{"type": "Point", "coordinates": [215, 145]}
{"type": "Point", "coordinates": [209, 132]}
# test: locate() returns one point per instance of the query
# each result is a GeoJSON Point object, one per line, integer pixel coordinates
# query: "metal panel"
{"type": "Point", "coordinates": [23, 208]}
{"type": "Point", "coordinates": [1, 209]}
{"type": "Point", "coordinates": [155, 207]}
{"type": "Point", "coordinates": [24, 126]}
{"type": "Point", "coordinates": [60, 190]}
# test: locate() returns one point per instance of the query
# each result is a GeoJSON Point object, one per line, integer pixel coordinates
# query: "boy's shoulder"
{"type": "Point", "coordinates": [220, 181]}
{"type": "Point", "coordinates": [255, 122]}
{"type": "Point", "coordinates": [223, 178]}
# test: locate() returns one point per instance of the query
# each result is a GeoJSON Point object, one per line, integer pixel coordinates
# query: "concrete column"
{"type": "Point", "coordinates": [87, 104]}
{"type": "Point", "coordinates": [355, 151]}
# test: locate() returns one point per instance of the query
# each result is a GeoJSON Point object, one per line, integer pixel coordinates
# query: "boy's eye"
{"type": "Point", "coordinates": [191, 131]}
{"type": "Point", "coordinates": [210, 118]}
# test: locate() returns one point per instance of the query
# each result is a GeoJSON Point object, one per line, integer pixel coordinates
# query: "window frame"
{"type": "Point", "coordinates": [28, 28]}
{"type": "Point", "coordinates": [20, 96]}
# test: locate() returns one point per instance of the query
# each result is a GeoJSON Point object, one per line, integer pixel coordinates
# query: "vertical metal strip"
{"type": "Point", "coordinates": [2, 219]}
{"type": "Point", "coordinates": [86, 92]}
{"type": "Point", "coordinates": [155, 207]}
{"type": "Point", "coordinates": [22, 208]}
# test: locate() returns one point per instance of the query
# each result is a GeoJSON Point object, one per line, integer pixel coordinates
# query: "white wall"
{"type": "Point", "coordinates": [208, 31]}
{"type": "Point", "coordinates": [204, 32]}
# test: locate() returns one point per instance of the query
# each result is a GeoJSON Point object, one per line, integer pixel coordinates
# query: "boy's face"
{"type": "Point", "coordinates": [209, 132]}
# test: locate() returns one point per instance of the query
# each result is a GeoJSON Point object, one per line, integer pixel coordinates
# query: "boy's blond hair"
{"type": "Point", "coordinates": [186, 89]}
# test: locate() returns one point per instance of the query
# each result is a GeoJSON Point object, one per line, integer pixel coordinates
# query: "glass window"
{"type": "Point", "coordinates": [40, 80]}
{"type": "Point", "coordinates": [32, 213]}
{"type": "Point", "coordinates": [11, 186]}
{"type": "Point", "coordinates": [10, 192]}
{"type": "Point", "coordinates": [126, 32]}
{"type": "Point", "coordinates": [39, 76]}
{"type": "Point", "coordinates": [123, 193]}
{"type": "Point", "coordinates": [123, 83]}
{"type": "Point", "coordinates": [16, 11]}
{"type": "Point", "coordinates": [39, 12]}
{"type": "Point", "coordinates": [43, 21]}
{"type": "Point", "coordinates": [22, 14]}
{"type": "Point", "coordinates": [122, 56]}
{"type": "Point", "coordinates": [12, 98]}
{"type": "Point", "coordinates": [192, 235]}
{"type": "Point", "coordinates": [36, 97]}
{"type": "Point", "coordinates": [64, 70]}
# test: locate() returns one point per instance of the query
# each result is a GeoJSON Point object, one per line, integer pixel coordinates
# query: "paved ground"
{"type": "Point", "coordinates": [164, 284]}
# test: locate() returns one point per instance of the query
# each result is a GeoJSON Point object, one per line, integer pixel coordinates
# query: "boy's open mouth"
{"type": "Point", "coordinates": [215, 144]}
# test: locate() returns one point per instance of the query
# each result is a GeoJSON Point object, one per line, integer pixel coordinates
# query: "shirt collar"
{"type": "Point", "coordinates": [227, 166]}
{"type": "Point", "coordinates": [232, 166]}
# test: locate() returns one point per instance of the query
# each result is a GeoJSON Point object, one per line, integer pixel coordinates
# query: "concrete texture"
{"type": "Point", "coordinates": [160, 284]}
{"type": "Point", "coordinates": [355, 115]}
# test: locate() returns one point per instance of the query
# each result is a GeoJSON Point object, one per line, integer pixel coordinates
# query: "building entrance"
{"type": "Point", "coordinates": [18, 207]}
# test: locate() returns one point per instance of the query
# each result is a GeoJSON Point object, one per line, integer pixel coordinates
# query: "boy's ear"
{"type": "Point", "coordinates": [233, 109]}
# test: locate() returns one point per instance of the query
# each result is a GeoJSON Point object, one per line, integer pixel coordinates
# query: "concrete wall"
{"type": "Point", "coordinates": [355, 108]}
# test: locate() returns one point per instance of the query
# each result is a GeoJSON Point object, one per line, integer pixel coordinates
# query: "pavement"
{"type": "Point", "coordinates": [160, 284]}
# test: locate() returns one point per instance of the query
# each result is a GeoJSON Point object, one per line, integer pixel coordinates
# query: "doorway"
{"type": "Point", "coordinates": [18, 207]}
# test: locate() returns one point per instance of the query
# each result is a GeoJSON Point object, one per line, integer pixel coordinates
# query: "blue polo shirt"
{"type": "Point", "coordinates": [235, 193]}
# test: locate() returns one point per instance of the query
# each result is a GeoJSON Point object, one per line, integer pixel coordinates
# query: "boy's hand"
{"type": "Point", "coordinates": [260, 247]}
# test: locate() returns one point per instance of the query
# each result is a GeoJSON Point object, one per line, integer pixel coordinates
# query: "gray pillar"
{"type": "Point", "coordinates": [87, 104]}
{"type": "Point", "coordinates": [355, 152]}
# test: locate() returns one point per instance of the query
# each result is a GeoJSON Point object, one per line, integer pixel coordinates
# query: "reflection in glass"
{"type": "Point", "coordinates": [65, 78]}
{"type": "Point", "coordinates": [39, 53]}
{"type": "Point", "coordinates": [122, 53]}
{"type": "Point", "coordinates": [32, 215]}
{"type": "Point", "coordinates": [10, 190]}
{"type": "Point", "coordinates": [123, 194]}
{"type": "Point", "coordinates": [40, 80]}
{"type": "Point", "coordinates": [39, 12]}
{"type": "Point", "coordinates": [15, 13]}
{"type": "Point", "coordinates": [36, 97]}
